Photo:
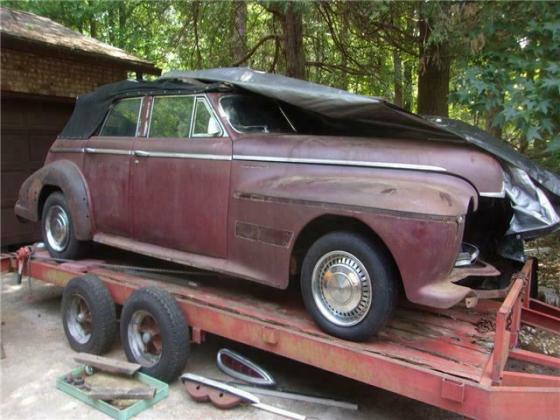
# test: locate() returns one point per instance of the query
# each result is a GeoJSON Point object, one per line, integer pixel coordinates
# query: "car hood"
{"type": "Point", "coordinates": [479, 168]}
{"type": "Point", "coordinates": [348, 109]}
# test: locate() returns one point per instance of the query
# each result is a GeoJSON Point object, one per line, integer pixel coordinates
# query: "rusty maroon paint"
{"type": "Point", "coordinates": [237, 203]}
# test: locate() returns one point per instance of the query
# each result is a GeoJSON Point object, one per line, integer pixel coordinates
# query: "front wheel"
{"type": "Point", "coordinates": [348, 285]}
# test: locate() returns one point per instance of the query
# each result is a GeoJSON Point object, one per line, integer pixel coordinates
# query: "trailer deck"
{"type": "Point", "coordinates": [454, 359]}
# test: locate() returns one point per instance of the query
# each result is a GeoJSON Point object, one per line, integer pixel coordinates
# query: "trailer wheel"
{"type": "Point", "coordinates": [154, 333]}
{"type": "Point", "coordinates": [88, 315]}
{"type": "Point", "coordinates": [348, 285]}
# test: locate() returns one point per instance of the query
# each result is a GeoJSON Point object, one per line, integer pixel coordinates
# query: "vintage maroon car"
{"type": "Point", "coordinates": [269, 179]}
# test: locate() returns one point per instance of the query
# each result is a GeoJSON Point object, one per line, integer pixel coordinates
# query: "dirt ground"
{"type": "Point", "coordinates": [36, 353]}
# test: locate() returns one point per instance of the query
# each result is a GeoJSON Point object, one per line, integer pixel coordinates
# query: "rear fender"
{"type": "Point", "coordinates": [66, 176]}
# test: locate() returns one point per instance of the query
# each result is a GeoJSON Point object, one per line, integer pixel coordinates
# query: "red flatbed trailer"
{"type": "Point", "coordinates": [455, 359]}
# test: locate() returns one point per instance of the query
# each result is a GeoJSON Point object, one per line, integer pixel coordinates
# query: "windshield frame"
{"type": "Point", "coordinates": [225, 116]}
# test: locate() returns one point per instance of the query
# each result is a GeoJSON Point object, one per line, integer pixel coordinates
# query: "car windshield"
{"type": "Point", "coordinates": [255, 114]}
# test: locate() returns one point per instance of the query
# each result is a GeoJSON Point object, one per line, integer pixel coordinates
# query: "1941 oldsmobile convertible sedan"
{"type": "Point", "coordinates": [273, 180]}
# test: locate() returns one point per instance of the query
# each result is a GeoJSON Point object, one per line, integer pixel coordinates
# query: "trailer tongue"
{"type": "Point", "coordinates": [457, 359]}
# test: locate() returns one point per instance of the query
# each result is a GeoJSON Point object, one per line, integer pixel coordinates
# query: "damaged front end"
{"type": "Point", "coordinates": [494, 236]}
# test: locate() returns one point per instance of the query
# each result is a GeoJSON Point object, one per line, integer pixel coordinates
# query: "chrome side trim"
{"type": "Point", "coordinates": [361, 163]}
{"type": "Point", "coordinates": [67, 150]}
{"type": "Point", "coordinates": [143, 153]}
{"type": "Point", "coordinates": [108, 151]}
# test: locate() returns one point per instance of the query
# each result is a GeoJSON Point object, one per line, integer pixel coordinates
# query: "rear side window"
{"type": "Point", "coordinates": [171, 116]}
{"type": "Point", "coordinates": [122, 120]}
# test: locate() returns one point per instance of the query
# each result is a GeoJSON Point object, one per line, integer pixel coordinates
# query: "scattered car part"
{"type": "Point", "coordinates": [88, 370]}
{"type": "Point", "coordinates": [239, 367]}
{"type": "Point", "coordinates": [243, 395]}
{"type": "Point", "coordinates": [114, 409]}
{"type": "Point", "coordinates": [105, 394]}
{"type": "Point", "coordinates": [106, 364]}
{"type": "Point", "coordinates": [88, 315]}
{"type": "Point", "coordinates": [295, 396]}
{"type": "Point", "coordinates": [79, 382]}
{"type": "Point", "coordinates": [203, 393]}
{"type": "Point", "coordinates": [154, 333]}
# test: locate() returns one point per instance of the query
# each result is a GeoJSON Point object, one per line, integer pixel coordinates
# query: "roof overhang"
{"type": "Point", "coordinates": [10, 41]}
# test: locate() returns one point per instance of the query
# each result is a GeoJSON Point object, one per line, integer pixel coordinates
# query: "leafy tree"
{"type": "Point", "coordinates": [511, 77]}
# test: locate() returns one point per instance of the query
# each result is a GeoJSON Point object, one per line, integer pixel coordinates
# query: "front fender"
{"type": "Point", "coordinates": [400, 192]}
{"type": "Point", "coordinates": [66, 176]}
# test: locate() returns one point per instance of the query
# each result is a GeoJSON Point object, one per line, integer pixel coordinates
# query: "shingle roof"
{"type": "Point", "coordinates": [27, 27]}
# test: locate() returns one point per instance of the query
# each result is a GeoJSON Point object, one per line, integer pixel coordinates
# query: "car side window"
{"type": "Point", "coordinates": [122, 120]}
{"type": "Point", "coordinates": [171, 116]}
{"type": "Point", "coordinates": [205, 123]}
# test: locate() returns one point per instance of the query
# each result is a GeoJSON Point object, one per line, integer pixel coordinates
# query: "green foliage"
{"type": "Point", "coordinates": [504, 55]}
{"type": "Point", "coordinates": [512, 76]}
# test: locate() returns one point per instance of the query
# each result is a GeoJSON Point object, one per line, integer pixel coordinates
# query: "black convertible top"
{"type": "Point", "coordinates": [90, 109]}
{"type": "Point", "coordinates": [311, 105]}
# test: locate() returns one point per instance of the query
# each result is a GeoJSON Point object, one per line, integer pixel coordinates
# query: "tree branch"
{"type": "Point", "coordinates": [254, 49]}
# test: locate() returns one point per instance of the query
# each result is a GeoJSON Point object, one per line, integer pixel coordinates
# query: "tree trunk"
{"type": "Point", "coordinates": [292, 24]}
{"type": "Point", "coordinates": [408, 96]}
{"type": "Point", "coordinates": [496, 131]}
{"type": "Point", "coordinates": [122, 25]}
{"type": "Point", "coordinates": [433, 74]}
{"type": "Point", "coordinates": [92, 27]}
{"type": "Point", "coordinates": [239, 38]}
{"type": "Point", "coordinates": [397, 69]}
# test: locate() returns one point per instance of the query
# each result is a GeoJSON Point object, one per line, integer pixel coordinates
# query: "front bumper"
{"type": "Point", "coordinates": [446, 293]}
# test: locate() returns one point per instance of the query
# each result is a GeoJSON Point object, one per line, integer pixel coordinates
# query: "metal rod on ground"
{"type": "Point", "coordinates": [297, 397]}
{"type": "Point", "coordinates": [244, 395]}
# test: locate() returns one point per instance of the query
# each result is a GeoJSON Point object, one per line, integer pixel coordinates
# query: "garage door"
{"type": "Point", "coordinates": [29, 126]}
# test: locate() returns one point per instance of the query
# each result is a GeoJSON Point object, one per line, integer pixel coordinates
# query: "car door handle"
{"type": "Point", "coordinates": [141, 153]}
{"type": "Point", "coordinates": [89, 150]}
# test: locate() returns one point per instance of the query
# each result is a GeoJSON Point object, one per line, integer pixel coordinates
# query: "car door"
{"type": "Point", "coordinates": [107, 167]}
{"type": "Point", "coordinates": [180, 177]}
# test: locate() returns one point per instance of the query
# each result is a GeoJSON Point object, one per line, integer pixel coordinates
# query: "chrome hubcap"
{"type": "Point", "coordinates": [78, 319]}
{"type": "Point", "coordinates": [144, 339]}
{"type": "Point", "coordinates": [341, 288]}
{"type": "Point", "coordinates": [57, 226]}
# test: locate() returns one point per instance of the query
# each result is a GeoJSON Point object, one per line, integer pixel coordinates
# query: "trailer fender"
{"type": "Point", "coordinates": [66, 176]}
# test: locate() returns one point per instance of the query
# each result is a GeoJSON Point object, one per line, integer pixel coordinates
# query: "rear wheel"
{"type": "Point", "coordinates": [88, 315]}
{"type": "Point", "coordinates": [348, 285]}
{"type": "Point", "coordinates": [58, 229]}
{"type": "Point", "coordinates": [154, 333]}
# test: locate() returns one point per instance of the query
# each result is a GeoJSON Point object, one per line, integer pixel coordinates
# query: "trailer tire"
{"type": "Point", "coordinates": [88, 315]}
{"type": "Point", "coordinates": [349, 285]}
{"type": "Point", "coordinates": [154, 333]}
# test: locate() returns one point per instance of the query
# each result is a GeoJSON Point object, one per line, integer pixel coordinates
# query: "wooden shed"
{"type": "Point", "coordinates": [44, 66]}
